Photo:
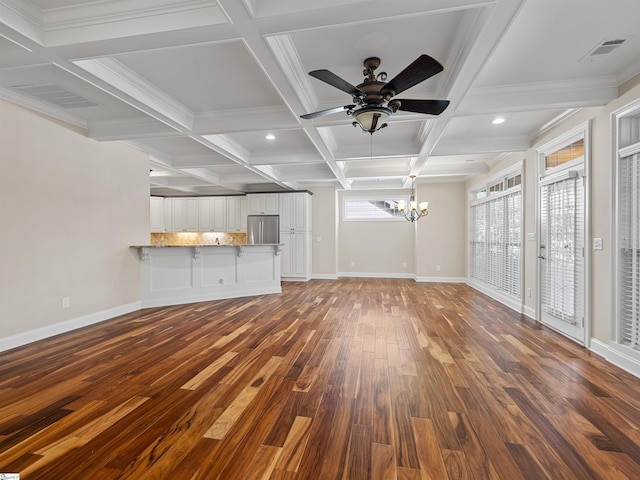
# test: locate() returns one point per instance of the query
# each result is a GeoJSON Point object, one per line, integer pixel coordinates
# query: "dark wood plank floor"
{"type": "Point", "coordinates": [349, 379]}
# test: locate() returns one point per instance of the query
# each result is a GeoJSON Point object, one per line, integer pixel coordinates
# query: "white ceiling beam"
{"type": "Point", "coordinates": [462, 146]}
{"type": "Point", "coordinates": [574, 93]}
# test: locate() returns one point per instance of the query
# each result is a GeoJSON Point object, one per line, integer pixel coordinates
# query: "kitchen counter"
{"type": "Point", "coordinates": [176, 274]}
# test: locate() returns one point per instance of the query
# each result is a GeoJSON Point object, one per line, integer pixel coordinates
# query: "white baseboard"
{"type": "Point", "coordinates": [616, 355]}
{"type": "Point", "coordinates": [24, 338]}
{"type": "Point", "coordinates": [441, 279]}
{"type": "Point", "coordinates": [530, 312]}
{"type": "Point", "coordinates": [375, 275]}
{"type": "Point", "coordinates": [324, 276]}
{"type": "Point", "coordinates": [505, 299]}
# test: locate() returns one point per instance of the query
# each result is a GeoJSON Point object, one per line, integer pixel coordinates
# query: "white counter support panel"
{"type": "Point", "coordinates": [175, 275]}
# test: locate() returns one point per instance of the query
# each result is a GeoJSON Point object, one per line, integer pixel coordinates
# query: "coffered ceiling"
{"type": "Point", "coordinates": [198, 84]}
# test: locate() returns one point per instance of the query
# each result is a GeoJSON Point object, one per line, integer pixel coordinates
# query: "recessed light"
{"type": "Point", "coordinates": [497, 121]}
{"type": "Point", "coordinates": [270, 137]}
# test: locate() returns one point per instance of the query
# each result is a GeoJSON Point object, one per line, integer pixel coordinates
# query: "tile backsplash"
{"type": "Point", "coordinates": [197, 238]}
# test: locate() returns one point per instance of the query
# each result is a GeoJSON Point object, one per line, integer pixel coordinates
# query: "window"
{"type": "Point", "coordinates": [627, 265]}
{"type": "Point", "coordinates": [629, 245]}
{"type": "Point", "coordinates": [372, 209]}
{"type": "Point", "coordinates": [496, 233]}
{"type": "Point", "coordinates": [565, 154]}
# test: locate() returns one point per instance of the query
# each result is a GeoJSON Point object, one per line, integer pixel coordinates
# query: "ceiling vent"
{"type": "Point", "coordinates": [602, 50]}
{"type": "Point", "coordinates": [53, 93]}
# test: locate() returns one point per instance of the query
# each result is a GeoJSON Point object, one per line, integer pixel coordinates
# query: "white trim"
{"type": "Point", "coordinates": [617, 355]}
{"type": "Point", "coordinates": [376, 275]}
{"type": "Point", "coordinates": [546, 176]}
{"type": "Point", "coordinates": [511, 302]}
{"type": "Point", "coordinates": [324, 276]}
{"type": "Point", "coordinates": [530, 312]}
{"type": "Point", "coordinates": [441, 279]}
{"type": "Point", "coordinates": [30, 336]}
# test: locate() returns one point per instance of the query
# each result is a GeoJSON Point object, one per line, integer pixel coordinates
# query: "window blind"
{"type": "Point", "coordinates": [562, 233]}
{"type": "Point", "coordinates": [496, 241]}
{"type": "Point", "coordinates": [629, 239]}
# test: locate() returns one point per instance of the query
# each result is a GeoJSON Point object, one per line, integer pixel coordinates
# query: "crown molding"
{"type": "Point", "coordinates": [23, 18]}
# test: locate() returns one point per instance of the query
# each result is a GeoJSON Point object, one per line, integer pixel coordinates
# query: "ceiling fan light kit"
{"type": "Point", "coordinates": [372, 99]}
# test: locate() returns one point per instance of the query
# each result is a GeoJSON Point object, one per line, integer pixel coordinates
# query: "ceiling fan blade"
{"type": "Point", "coordinates": [431, 107]}
{"type": "Point", "coordinates": [329, 111]}
{"type": "Point", "coordinates": [335, 81]}
{"type": "Point", "coordinates": [422, 68]}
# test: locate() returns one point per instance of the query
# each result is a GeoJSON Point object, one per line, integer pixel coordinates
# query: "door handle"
{"type": "Point", "coordinates": [541, 257]}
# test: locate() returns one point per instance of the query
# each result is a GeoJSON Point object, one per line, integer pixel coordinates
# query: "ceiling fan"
{"type": "Point", "coordinates": [373, 101]}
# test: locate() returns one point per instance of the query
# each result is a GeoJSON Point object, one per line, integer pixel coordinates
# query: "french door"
{"type": "Point", "coordinates": [561, 253]}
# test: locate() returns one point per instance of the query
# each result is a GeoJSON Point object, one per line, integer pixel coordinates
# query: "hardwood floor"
{"type": "Point", "coordinates": [349, 379]}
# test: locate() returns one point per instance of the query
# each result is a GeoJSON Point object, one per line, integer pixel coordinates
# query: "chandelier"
{"type": "Point", "coordinates": [416, 209]}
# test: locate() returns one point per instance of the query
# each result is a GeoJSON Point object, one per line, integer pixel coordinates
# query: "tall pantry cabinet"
{"type": "Point", "coordinates": [295, 235]}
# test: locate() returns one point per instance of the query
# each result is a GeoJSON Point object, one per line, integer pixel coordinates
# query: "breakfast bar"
{"type": "Point", "coordinates": [176, 274]}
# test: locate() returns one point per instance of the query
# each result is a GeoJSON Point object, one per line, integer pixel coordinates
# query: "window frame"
{"type": "Point", "coordinates": [625, 143]}
{"type": "Point", "coordinates": [481, 196]}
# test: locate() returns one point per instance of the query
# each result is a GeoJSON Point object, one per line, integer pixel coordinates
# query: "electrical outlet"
{"type": "Point", "coordinates": [528, 292]}
{"type": "Point", "coordinates": [353, 264]}
{"type": "Point", "coordinates": [66, 302]}
{"type": "Point", "coordinates": [404, 264]}
{"type": "Point", "coordinates": [437, 268]}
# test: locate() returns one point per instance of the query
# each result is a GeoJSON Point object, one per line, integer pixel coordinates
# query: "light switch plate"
{"type": "Point", "coordinates": [531, 237]}
{"type": "Point", "coordinates": [597, 244]}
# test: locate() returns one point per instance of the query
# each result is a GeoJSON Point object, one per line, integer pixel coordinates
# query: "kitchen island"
{"type": "Point", "coordinates": [171, 275]}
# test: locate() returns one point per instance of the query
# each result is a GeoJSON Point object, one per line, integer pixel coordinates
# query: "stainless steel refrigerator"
{"type": "Point", "coordinates": [263, 229]}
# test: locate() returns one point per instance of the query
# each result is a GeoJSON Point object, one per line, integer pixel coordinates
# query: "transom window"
{"type": "Point", "coordinates": [494, 187]}
{"type": "Point", "coordinates": [565, 154]}
{"type": "Point", "coordinates": [378, 209]}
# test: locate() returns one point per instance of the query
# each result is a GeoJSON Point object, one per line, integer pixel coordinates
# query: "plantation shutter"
{"type": "Point", "coordinates": [629, 221]}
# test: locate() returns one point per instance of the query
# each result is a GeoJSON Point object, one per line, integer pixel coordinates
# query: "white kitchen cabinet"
{"type": "Point", "coordinates": [236, 214]}
{"type": "Point", "coordinates": [295, 235]}
{"type": "Point", "coordinates": [295, 212]}
{"type": "Point", "coordinates": [212, 214]}
{"type": "Point", "coordinates": [295, 256]}
{"type": "Point", "coordinates": [263, 204]}
{"type": "Point", "coordinates": [156, 214]}
{"type": "Point", "coordinates": [184, 214]}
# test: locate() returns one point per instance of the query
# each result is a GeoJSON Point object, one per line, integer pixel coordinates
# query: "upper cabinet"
{"type": "Point", "coordinates": [262, 204]}
{"type": "Point", "coordinates": [212, 214]}
{"type": "Point", "coordinates": [184, 214]}
{"type": "Point", "coordinates": [156, 215]}
{"type": "Point", "coordinates": [295, 212]}
{"type": "Point", "coordinates": [236, 214]}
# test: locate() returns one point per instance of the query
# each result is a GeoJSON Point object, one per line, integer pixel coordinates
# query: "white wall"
{"type": "Point", "coordinates": [324, 261]}
{"type": "Point", "coordinates": [70, 209]}
{"type": "Point", "coordinates": [441, 234]}
{"type": "Point", "coordinates": [377, 248]}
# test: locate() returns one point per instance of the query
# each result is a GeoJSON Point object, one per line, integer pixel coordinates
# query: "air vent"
{"type": "Point", "coordinates": [602, 50]}
{"type": "Point", "coordinates": [53, 93]}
